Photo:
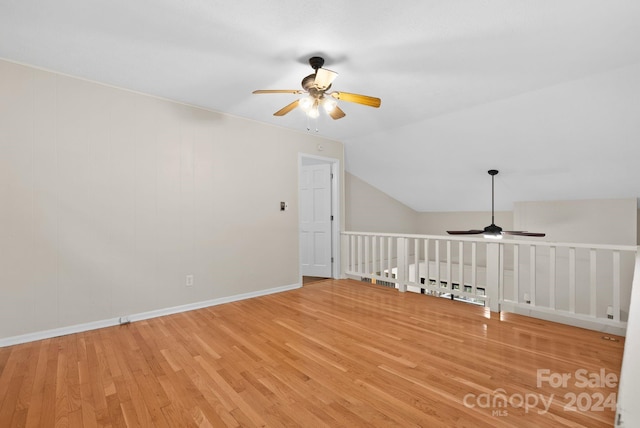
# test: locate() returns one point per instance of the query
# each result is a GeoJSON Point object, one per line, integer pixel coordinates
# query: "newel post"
{"type": "Point", "coordinates": [345, 250]}
{"type": "Point", "coordinates": [403, 258]}
{"type": "Point", "coordinates": [493, 276]}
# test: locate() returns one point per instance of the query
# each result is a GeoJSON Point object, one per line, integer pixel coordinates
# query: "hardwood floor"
{"type": "Point", "coordinates": [333, 353]}
{"type": "Point", "coordinates": [311, 279]}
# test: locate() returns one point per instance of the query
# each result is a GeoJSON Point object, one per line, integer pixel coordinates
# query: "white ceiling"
{"type": "Point", "coordinates": [462, 83]}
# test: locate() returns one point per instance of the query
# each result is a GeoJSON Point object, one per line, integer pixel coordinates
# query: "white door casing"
{"type": "Point", "coordinates": [315, 220]}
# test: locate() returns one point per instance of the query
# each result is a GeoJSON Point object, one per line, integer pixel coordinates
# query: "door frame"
{"type": "Point", "coordinates": [336, 209]}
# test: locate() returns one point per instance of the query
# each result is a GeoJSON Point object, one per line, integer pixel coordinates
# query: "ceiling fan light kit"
{"type": "Point", "coordinates": [315, 86]}
{"type": "Point", "coordinates": [493, 231]}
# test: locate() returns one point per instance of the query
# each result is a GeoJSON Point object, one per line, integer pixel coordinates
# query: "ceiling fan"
{"type": "Point", "coordinates": [493, 231]}
{"type": "Point", "coordinates": [316, 86]}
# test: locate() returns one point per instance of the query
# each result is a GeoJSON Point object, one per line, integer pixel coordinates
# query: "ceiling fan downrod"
{"type": "Point", "coordinates": [492, 173]}
{"type": "Point", "coordinates": [493, 231]}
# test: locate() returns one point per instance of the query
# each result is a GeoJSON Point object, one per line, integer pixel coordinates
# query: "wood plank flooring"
{"type": "Point", "coordinates": [333, 353]}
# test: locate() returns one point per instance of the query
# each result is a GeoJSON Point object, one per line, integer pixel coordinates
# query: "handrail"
{"type": "Point", "coordinates": [501, 241]}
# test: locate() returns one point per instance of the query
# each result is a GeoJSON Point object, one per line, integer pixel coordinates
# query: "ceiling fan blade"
{"type": "Point", "coordinates": [357, 98]}
{"type": "Point", "coordinates": [324, 78]}
{"type": "Point", "coordinates": [337, 113]}
{"type": "Point", "coordinates": [517, 233]}
{"type": "Point", "coordinates": [465, 232]}
{"type": "Point", "coordinates": [286, 109]}
{"type": "Point", "coordinates": [278, 91]}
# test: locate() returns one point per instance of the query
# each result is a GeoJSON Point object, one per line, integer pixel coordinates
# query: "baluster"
{"type": "Point", "coordinates": [389, 253]}
{"type": "Point", "coordinates": [592, 282]}
{"type": "Point", "coordinates": [552, 277]}
{"type": "Point", "coordinates": [438, 263]}
{"type": "Point", "coordinates": [616, 285]}
{"type": "Point", "coordinates": [352, 252]}
{"type": "Point", "coordinates": [572, 280]}
{"type": "Point", "coordinates": [474, 268]}
{"type": "Point", "coordinates": [374, 251]}
{"type": "Point", "coordinates": [449, 276]}
{"type": "Point", "coordinates": [461, 265]}
{"type": "Point", "coordinates": [426, 262]}
{"type": "Point", "coordinates": [366, 255]}
{"type": "Point", "coordinates": [416, 261]}
{"type": "Point", "coordinates": [532, 275]}
{"type": "Point", "coordinates": [359, 254]}
{"type": "Point", "coordinates": [382, 240]}
{"type": "Point", "coordinates": [516, 272]}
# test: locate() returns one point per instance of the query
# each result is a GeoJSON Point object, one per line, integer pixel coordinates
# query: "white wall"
{"type": "Point", "coordinates": [370, 210]}
{"type": "Point", "coordinates": [109, 198]}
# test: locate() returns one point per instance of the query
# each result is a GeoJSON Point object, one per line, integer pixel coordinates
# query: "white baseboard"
{"type": "Point", "coordinates": [78, 328]}
{"type": "Point", "coordinates": [577, 320]}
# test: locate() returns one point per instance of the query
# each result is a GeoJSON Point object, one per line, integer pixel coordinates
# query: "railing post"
{"type": "Point", "coordinates": [344, 265]}
{"type": "Point", "coordinates": [501, 274]}
{"type": "Point", "coordinates": [402, 264]}
{"type": "Point", "coordinates": [493, 276]}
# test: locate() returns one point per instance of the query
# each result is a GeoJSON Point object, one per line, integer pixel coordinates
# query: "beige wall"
{"type": "Point", "coordinates": [370, 210]}
{"type": "Point", "coordinates": [109, 198]}
{"type": "Point", "coordinates": [593, 221]}
{"type": "Point", "coordinates": [437, 223]}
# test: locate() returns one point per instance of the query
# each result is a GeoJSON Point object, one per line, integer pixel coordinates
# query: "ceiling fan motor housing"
{"type": "Point", "coordinates": [316, 62]}
{"type": "Point", "coordinates": [308, 84]}
{"type": "Point", "coordinates": [492, 229]}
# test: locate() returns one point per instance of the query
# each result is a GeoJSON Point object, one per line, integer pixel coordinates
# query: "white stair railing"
{"type": "Point", "coordinates": [580, 284]}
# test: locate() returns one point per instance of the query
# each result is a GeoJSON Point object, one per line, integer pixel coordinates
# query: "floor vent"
{"type": "Point", "coordinates": [378, 282]}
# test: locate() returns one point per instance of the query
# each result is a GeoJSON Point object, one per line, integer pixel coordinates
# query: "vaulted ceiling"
{"type": "Point", "coordinates": [547, 92]}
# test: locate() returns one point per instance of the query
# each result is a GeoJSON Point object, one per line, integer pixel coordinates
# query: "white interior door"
{"type": "Point", "coordinates": [315, 220]}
